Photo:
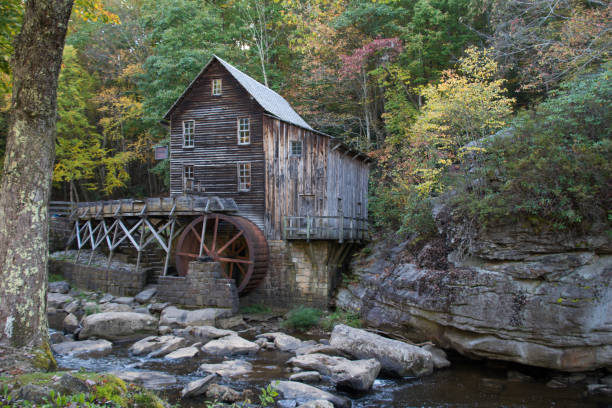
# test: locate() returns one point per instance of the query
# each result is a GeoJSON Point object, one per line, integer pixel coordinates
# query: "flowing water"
{"type": "Point", "coordinates": [465, 384]}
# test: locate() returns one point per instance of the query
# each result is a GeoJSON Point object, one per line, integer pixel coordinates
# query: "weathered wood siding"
{"type": "Point", "coordinates": [312, 183]}
{"type": "Point", "coordinates": [216, 151]}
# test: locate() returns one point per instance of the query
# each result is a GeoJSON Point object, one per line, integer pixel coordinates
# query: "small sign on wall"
{"type": "Point", "coordinates": [161, 152]}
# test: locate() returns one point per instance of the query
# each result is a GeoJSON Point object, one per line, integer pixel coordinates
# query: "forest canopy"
{"type": "Point", "coordinates": [420, 85]}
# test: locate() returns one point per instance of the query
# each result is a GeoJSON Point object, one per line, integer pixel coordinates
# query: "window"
{"type": "Point", "coordinates": [244, 176]}
{"type": "Point", "coordinates": [216, 87]}
{"type": "Point", "coordinates": [244, 131]}
{"type": "Point", "coordinates": [188, 178]}
{"type": "Point", "coordinates": [296, 148]}
{"type": "Point", "coordinates": [188, 133]}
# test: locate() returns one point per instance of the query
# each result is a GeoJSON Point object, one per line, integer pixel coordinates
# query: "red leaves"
{"type": "Point", "coordinates": [353, 64]}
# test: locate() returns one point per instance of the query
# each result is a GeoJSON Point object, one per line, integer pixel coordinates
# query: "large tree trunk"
{"type": "Point", "coordinates": [28, 166]}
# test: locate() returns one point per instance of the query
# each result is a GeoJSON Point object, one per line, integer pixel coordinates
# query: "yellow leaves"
{"type": "Point", "coordinates": [93, 10]}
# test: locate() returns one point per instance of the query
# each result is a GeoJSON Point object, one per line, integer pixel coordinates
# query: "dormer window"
{"type": "Point", "coordinates": [296, 148]}
{"type": "Point", "coordinates": [188, 133]}
{"type": "Point", "coordinates": [244, 131]}
{"type": "Point", "coordinates": [216, 87]}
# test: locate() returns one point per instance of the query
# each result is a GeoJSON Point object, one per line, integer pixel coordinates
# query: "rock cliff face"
{"type": "Point", "coordinates": [541, 299]}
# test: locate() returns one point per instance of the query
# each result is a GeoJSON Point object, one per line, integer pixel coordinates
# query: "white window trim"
{"type": "Point", "coordinates": [212, 87]}
{"type": "Point", "coordinates": [250, 176]}
{"type": "Point", "coordinates": [291, 154]}
{"type": "Point", "coordinates": [192, 145]}
{"type": "Point", "coordinates": [238, 131]}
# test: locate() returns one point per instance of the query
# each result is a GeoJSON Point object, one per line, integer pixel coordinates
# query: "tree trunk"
{"type": "Point", "coordinates": [28, 167]}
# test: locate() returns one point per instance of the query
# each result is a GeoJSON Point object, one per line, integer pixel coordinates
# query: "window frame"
{"type": "Point", "coordinates": [186, 178]}
{"type": "Point", "coordinates": [212, 87]}
{"type": "Point", "coordinates": [250, 172]}
{"type": "Point", "coordinates": [291, 144]}
{"type": "Point", "coordinates": [240, 130]}
{"type": "Point", "coordinates": [191, 136]}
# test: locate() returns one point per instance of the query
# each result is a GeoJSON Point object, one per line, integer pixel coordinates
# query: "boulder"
{"type": "Point", "coordinates": [222, 393]}
{"type": "Point", "coordinates": [73, 307]}
{"type": "Point", "coordinates": [157, 346]}
{"type": "Point", "coordinates": [358, 375]}
{"type": "Point", "coordinates": [148, 379]}
{"type": "Point", "coordinates": [396, 357]}
{"type": "Point", "coordinates": [56, 318]}
{"type": "Point", "coordinates": [57, 338]}
{"type": "Point", "coordinates": [438, 355]}
{"type": "Point", "coordinates": [59, 287]}
{"type": "Point", "coordinates": [34, 393]}
{"type": "Point", "coordinates": [58, 300]}
{"type": "Point", "coordinates": [106, 298]}
{"type": "Point", "coordinates": [175, 317]}
{"type": "Point", "coordinates": [231, 368]}
{"type": "Point", "coordinates": [319, 348]}
{"type": "Point", "coordinates": [70, 323]}
{"type": "Point", "coordinates": [163, 330]}
{"type": "Point", "coordinates": [146, 295]}
{"type": "Point", "coordinates": [185, 352]}
{"type": "Point", "coordinates": [125, 300]}
{"type": "Point", "coordinates": [197, 387]}
{"type": "Point", "coordinates": [118, 325]}
{"type": "Point", "coordinates": [282, 341]}
{"type": "Point", "coordinates": [158, 307]}
{"type": "Point", "coordinates": [70, 385]}
{"type": "Point", "coordinates": [203, 333]}
{"type": "Point", "coordinates": [230, 322]}
{"type": "Point", "coordinates": [306, 377]}
{"type": "Point", "coordinates": [303, 393]}
{"type": "Point", "coordinates": [317, 404]}
{"type": "Point", "coordinates": [87, 348]}
{"type": "Point", "coordinates": [230, 345]}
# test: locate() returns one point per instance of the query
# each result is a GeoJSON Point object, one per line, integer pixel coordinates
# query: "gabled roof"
{"type": "Point", "coordinates": [269, 100]}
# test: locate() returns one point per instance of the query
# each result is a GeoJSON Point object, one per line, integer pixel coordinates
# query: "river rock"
{"type": "Point", "coordinates": [148, 379]}
{"type": "Point", "coordinates": [58, 300]}
{"type": "Point", "coordinates": [203, 333]}
{"type": "Point", "coordinates": [163, 330]}
{"type": "Point", "coordinates": [56, 338]}
{"type": "Point", "coordinates": [231, 368]}
{"type": "Point", "coordinates": [230, 322]}
{"type": "Point", "coordinates": [229, 345]}
{"type": "Point", "coordinates": [125, 300]}
{"type": "Point", "coordinates": [358, 375]}
{"type": "Point", "coordinates": [438, 355]}
{"type": "Point", "coordinates": [73, 307]}
{"type": "Point", "coordinates": [303, 393]}
{"type": "Point", "coordinates": [70, 323]}
{"type": "Point", "coordinates": [157, 346]}
{"type": "Point", "coordinates": [158, 307]}
{"type": "Point", "coordinates": [106, 298]}
{"type": "Point", "coordinates": [70, 385]}
{"type": "Point", "coordinates": [113, 307]}
{"type": "Point", "coordinates": [118, 325]}
{"type": "Point", "coordinates": [197, 387]}
{"type": "Point", "coordinates": [317, 404]}
{"type": "Point", "coordinates": [34, 393]}
{"type": "Point", "coordinates": [282, 341]}
{"type": "Point", "coordinates": [514, 292]}
{"type": "Point", "coordinates": [87, 348]}
{"type": "Point", "coordinates": [223, 393]}
{"type": "Point", "coordinates": [306, 377]}
{"type": "Point", "coordinates": [185, 352]}
{"type": "Point", "coordinates": [396, 357]}
{"type": "Point", "coordinates": [146, 295]}
{"type": "Point", "coordinates": [59, 287]}
{"type": "Point", "coordinates": [175, 317]}
{"type": "Point", "coordinates": [56, 318]}
{"type": "Point", "coordinates": [320, 349]}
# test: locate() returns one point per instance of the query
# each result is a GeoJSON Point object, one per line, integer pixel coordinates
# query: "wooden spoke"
{"type": "Point", "coordinates": [187, 254]}
{"type": "Point", "coordinates": [242, 272]}
{"type": "Point", "coordinates": [230, 242]}
{"type": "Point", "coordinates": [214, 240]}
{"type": "Point", "coordinates": [234, 260]}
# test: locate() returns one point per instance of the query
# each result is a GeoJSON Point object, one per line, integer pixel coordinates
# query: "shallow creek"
{"type": "Point", "coordinates": [465, 384]}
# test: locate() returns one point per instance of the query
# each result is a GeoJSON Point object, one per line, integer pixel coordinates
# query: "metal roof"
{"type": "Point", "coordinates": [269, 100]}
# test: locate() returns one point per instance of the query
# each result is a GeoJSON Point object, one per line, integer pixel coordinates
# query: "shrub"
{"type": "Point", "coordinates": [341, 317]}
{"type": "Point", "coordinates": [302, 318]}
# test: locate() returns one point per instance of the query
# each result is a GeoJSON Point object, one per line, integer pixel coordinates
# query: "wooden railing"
{"type": "Point", "coordinates": [337, 228]}
{"type": "Point", "coordinates": [61, 208]}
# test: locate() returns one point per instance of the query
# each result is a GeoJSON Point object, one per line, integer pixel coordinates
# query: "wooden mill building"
{"type": "Point", "coordinates": [252, 186]}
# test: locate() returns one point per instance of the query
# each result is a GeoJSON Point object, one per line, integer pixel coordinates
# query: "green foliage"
{"type": "Point", "coordinates": [146, 399]}
{"type": "Point", "coordinates": [341, 317]}
{"type": "Point", "coordinates": [302, 318]}
{"type": "Point", "coordinates": [267, 395]}
{"type": "Point", "coordinates": [554, 169]}
{"type": "Point", "coordinates": [54, 277]}
{"type": "Point", "coordinates": [254, 309]}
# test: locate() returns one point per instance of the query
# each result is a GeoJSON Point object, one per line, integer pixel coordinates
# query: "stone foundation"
{"type": "Point", "coordinates": [202, 287]}
{"type": "Point", "coordinates": [116, 282]}
{"type": "Point", "coordinates": [299, 273]}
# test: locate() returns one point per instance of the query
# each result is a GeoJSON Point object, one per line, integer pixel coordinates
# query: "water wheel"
{"type": "Point", "coordinates": [238, 244]}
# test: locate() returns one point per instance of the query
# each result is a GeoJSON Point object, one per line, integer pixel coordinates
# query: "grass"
{"type": "Point", "coordinates": [302, 318]}
{"type": "Point", "coordinates": [340, 317]}
{"type": "Point", "coordinates": [54, 277]}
